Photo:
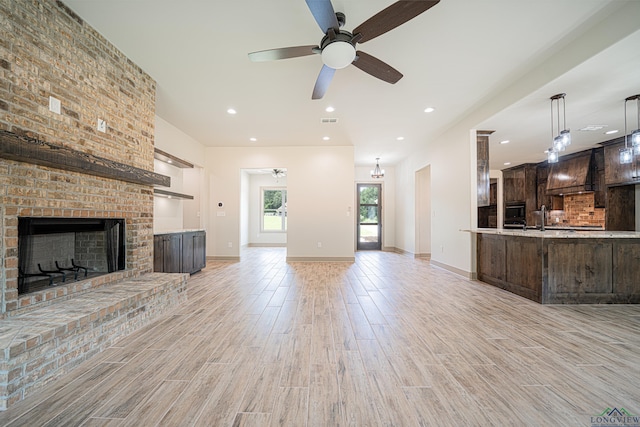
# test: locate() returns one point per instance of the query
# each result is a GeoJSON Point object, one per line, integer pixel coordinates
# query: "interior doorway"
{"type": "Point", "coordinates": [369, 217]}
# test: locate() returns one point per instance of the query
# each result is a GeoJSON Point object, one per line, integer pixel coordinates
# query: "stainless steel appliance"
{"type": "Point", "coordinates": [514, 215]}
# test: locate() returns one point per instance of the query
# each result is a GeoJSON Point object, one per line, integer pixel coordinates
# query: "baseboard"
{"type": "Point", "coordinates": [320, 259]}
{"type": "Point", "coordinates": [426, 256]}
{"type": "Point", "coordinates": [223, 258]}
{"type": "Point", "coordinates": [398, 251]}
{"type": "Point", "coordinates": [455, 270]}
{"type": "Point", "coordinates": [267, 245]}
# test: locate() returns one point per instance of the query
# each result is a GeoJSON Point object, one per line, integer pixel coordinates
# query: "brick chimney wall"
{"type": "Point", "coordinates": [46, 50]}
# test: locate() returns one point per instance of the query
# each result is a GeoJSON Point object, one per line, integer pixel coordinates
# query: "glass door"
{"type": "Point", "coordinates": [369, 218]}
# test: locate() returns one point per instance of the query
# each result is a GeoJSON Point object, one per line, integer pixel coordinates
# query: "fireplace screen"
{"type": "Point", "coordinates": [53, 251]}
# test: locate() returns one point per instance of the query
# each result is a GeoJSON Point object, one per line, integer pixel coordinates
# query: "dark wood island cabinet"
{"type": "Point", "coordinates": [179, 252]}
{"type": "Point", "coordinates": [562, 267]}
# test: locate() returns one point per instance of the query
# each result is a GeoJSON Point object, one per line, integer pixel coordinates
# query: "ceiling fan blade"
{"type": "Point", "coordinates": [282, 53]}
{"type": "Point", "coordinates": [322, 11]}
{"type": "Point", "coordinates": [373, 66]}
{"type": "Point", "coordinates": [391, 17]}
{"type": "Point", "coordinates": [323, 81]}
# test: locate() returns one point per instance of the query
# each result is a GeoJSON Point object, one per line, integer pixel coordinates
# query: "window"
{"type": "Point", "coordinates": [274, 209]}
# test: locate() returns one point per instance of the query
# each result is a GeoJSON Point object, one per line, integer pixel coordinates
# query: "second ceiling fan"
{"type": "Point", "coordinates": [338, 47]}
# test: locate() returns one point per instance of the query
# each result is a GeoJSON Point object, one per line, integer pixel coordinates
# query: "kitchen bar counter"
{"type": "Point", "coordinates": [565, 233]}
{"type": "Point", "coordinates": [561, 267]}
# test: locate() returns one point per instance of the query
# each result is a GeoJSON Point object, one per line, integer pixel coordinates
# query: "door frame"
{"type": "Point", "coordinates": [378, 245]}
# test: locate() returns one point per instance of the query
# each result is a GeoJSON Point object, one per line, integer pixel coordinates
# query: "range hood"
{"type": "Point", "coordinates": [572, 174]}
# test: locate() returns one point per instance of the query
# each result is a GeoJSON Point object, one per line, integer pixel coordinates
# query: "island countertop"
{"type": "Point", "coordinates": [558, 234]}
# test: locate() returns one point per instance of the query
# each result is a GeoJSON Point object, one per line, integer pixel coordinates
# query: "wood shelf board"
{"type": "Point", "coordinates": [163, 156]}
{"type": "Point", "coordinates": [164, 193]}
{"type": "Point", "coordinates": [31, 150]}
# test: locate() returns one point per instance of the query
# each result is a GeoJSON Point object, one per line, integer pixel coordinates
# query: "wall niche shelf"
{"type": "Point", "coordinates": [177, 162]}
{"type": "Point", "coordinates": [158, 192]}
{"type": "Point", "coordinates": [163, 156]}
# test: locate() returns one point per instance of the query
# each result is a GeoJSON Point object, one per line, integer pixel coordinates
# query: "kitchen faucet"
{"type": "Point", "coordinates": [543, 208]}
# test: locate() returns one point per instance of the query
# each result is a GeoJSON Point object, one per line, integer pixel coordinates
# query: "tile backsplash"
{"type": "Point", "coordinates": [579, 210]}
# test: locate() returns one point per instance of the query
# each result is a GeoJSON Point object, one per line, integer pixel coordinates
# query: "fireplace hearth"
{"type": "Point", "coordinates": [55, 251]}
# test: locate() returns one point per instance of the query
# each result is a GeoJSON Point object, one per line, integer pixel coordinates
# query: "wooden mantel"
{"type": "Point", "coordinates": [31, 150]}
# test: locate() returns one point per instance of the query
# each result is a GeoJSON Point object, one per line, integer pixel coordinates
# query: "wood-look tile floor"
{"type": "Point", "coordinates": [386, 341]}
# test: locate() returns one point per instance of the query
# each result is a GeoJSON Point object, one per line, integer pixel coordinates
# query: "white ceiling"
{"type": "Point", "coordinates": [453, 57]}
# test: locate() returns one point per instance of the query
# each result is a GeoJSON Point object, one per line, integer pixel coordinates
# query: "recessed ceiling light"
{"type": "Point", "coordinates": [400, 138]}
{"type": "Point", "coordinates": [329, 109]}
{"type": "Point", "coordinates": [231, 111]}
{"type": "Point", "coordinates": [611, 132]}
{"type": "Point", "coordinates": [169, 161]}
{"type": "Point", "coordinates": [506, 141]}
{"type": "Point", "coordinates": [253, 139]}
{"type": "Point", "coordinates": [326, 138]}
{"type": "Point", "coordinates": [546, 151]}
{"type": "Point", "coordinates": [507, 163]}
{"type": "Point", "coordinates": [429, 110]}
{"type": "Point", "coordinates": [591, 128]}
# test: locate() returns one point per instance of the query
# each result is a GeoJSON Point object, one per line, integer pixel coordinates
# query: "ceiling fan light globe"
{"type": "Point", "coordinates": [338, 54]}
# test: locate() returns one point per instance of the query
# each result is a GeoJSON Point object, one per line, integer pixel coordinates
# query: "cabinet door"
{"type": "Point", "coordinates": [158, 253]}
{"type": "Point", "coordinates": [614, 172]}
{"type": "Point", "coordinates": [199, 250]}
{"type": "Point", "coordinates": [172, 253]}
{"type": "Point", "coordinates": [514, 182]}
{"type": "Point", "coordinates": [187, 252]}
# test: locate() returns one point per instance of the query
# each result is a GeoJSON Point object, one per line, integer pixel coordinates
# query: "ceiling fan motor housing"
{"type": "Point", "coordinates": [338, 51]}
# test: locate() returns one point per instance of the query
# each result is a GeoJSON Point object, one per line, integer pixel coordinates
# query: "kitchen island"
{"type": "Point", "coordinates": [562, 266]}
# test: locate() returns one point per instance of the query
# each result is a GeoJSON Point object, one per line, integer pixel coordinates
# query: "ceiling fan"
{"type": "Point", "coordinates": [338, 47]}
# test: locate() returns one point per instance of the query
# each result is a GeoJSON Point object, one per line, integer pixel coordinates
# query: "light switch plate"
{"type": "Point", "coordinates": [54, 105]}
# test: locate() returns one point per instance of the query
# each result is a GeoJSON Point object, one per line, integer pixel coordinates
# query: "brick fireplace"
{"type": "Point", "coordinates": [49, 52]}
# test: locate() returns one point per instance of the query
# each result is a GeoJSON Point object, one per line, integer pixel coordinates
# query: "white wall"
{"type": "Point", "coordinates": [363, 176]}
{"type": "Point", "coordinates": [168, 213]}
{"type": "Point", "coordinates": [320, 191]}
{"type": "Point", "coordinates": [256, 184]}
{"type": "Point", "coordinates": [175, 214]}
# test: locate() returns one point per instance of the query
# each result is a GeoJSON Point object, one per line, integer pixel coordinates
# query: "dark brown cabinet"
{"type": "Point", "coordinates": [179, 252]}
{"type": "Point", "coordinates": [599, 184]}
{"type": "Point", "coordinates": [616, 173]}
{"type": "Point", "coordinates": [193, 251]}
{"type": "Point", "coordinates": [520, 187]}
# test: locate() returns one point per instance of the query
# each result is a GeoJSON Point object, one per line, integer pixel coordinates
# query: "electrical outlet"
{"type": "Point", "coordinates": [230, 245]}
{"type": "Point", "coordinates": [102, 126]}
{"type": "Point", "coordinates": [319, 244]}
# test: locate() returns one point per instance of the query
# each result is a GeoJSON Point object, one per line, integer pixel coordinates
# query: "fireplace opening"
{"type": "Point", "coordinates": [56, 251]}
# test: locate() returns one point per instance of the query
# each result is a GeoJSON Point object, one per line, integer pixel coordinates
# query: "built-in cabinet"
{"type": "Point", "coordinates": [616, 173]}
{"type": "Point", "coordinates": [519, 184]}
{"type": "Point", "coordinates": [182, 252]}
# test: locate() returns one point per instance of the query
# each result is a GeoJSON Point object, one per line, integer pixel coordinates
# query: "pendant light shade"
{"type": "Point", "coordinates": [560, 134]}
{"type": "Point", "coordinates": [629, 151]}
{"type": "Point", "coordinates": [377, 172]}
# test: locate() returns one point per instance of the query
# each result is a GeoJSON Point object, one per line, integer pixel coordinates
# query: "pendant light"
{"type": "Point", "coordinates": [627, 153]}
{"type": "Point", "coordinates": [560, 134]}
{"type": "Point", "coordinates": [377, 172]}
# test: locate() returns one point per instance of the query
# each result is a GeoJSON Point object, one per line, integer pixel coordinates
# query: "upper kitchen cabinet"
{"type": "Point", "coordinates": [519, 187]}
{"type": "Point", "coordinates": [616, 173]}
{"type": "Point", "coordinates": [520, 184]}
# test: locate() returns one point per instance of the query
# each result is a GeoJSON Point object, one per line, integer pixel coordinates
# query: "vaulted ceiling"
{"type": "Point", "coordinates": [454, 57]}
